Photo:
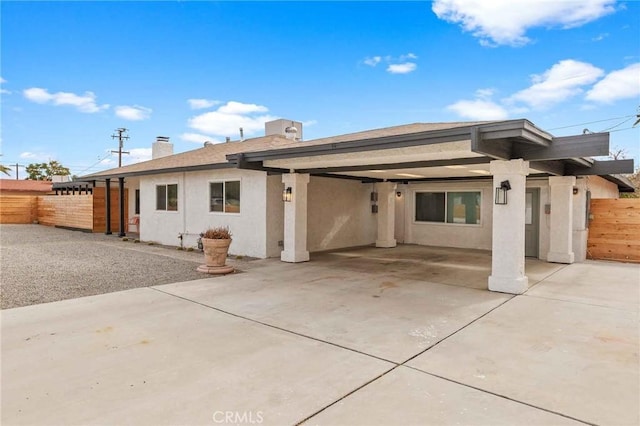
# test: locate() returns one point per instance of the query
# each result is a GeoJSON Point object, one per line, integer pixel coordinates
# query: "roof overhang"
{"type": "Point", "coordinates": [462, 152]}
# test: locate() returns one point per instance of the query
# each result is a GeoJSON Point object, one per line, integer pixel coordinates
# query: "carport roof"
{"type": "Point", "coordinates": [443, 150]}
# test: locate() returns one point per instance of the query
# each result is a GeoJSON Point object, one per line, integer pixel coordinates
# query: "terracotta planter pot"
{"type": "Point", "coordinates": [215, 251]}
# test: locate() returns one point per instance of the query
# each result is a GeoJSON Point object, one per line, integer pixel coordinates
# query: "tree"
{"type": "Point", "coordinates": [635, 180]}
{"type": "Point", "coordinates": [4, 169]}
{"type": "Point", "coordinates": [45, 171]}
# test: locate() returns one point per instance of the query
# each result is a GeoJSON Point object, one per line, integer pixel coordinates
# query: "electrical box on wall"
{"type": "Point", "coordinates": [374, 208]}
{"type": "Point", "coordinates": [547, 209]}
{"type": "Point", "coordinates": [374, 196]}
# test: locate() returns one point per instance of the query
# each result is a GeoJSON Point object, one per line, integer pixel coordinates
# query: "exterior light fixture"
{"type": "Point", "coordinates": [501, 192]}
{"type": "Point", "coordinates": [575, 190]}
{"type": "Point", "coordinates": [398, 194]}
{"type": "Point", "coordinates": [287, 194]}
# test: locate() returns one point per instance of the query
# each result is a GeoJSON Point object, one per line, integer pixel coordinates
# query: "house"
{"type": "Point", "coordinates": [505, 186]}
{"type": "Point", "coordinates": [25, 187]}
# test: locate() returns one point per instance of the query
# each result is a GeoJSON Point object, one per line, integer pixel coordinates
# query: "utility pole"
{"type": "Point", "coordinates": [121, 138]}
{"type": "Point", "coordinates": [17, 165]}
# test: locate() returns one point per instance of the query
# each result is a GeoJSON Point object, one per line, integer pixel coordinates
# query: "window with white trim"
{"type": "Point", "coordinates": [224, 196]}
{"type": "Point", "coordinates": [167, 197]}
{"type": "Point", "coordinates": [460, 207]}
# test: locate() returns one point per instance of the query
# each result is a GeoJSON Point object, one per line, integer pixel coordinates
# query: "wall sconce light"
{"type": "Point", "coordinates": [501, 192]}
{"type": "Point", "coordinates": [398, 194]}
{"type": "Point", "coordinates": [287, 194]}
{"type": "Point", "coordinates": [575, 190]}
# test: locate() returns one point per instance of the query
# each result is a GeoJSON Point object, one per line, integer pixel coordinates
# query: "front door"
{"type": "Point", "coordinates": [531, 222]}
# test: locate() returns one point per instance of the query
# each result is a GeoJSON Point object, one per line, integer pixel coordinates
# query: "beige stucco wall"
{"type": "Point", "coordinates": [275, 215]}
{"type": "Point", "coordinates": [601, 188]}
{"type": "Point", "coordinates": [339, 214]}
{"type": "Point", "coordinates": [448, 234]}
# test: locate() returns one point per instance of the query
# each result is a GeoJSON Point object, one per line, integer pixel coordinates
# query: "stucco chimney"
{"type": "Point", "coordinates": [287, 128]}
{"type": "Point", "coordinates": [161, 147]}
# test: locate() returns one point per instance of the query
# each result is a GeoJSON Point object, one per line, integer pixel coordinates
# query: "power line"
{"type": "Point", "coordinates": [95, 164]}
{"type": "Point", "coordinates": [592, 122]}
{"type": "Point", "coordinates": [121, 138]}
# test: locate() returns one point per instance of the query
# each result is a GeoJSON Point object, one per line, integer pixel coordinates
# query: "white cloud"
{"type": "Point", "coordinates": [84, 103]}
{"type": "Point", "coordinates": [137, 155]}
{"type": "Point", "coordinates": [4, 91]}
{"type": "Point", "coordinates": [479, 109]}
{"type": "Point", "coordinates": [133, 113]}
{"type": "Point", "coordinates": [227, 120]}
{"type": "Point", "coordinates": [405, 68]}
{"type": "Point", "coordinates": [600, 37]}
{"type": "Point", "coordinates": [35, 157]}
{"type": "Point", "coordinates": [197, 138]}
{"type": "Point", "coordinates": [309, 123]}
{"type": "Point", "coordinates": [233, 107]}
{"type": "Point", "coordinates": [373, 61]}
{"type": "Point", "coordinates": [559, 83]}
{"type": "Point", "coordinates": [395, 65]}
{"type": "Point", "coordinates": [202, 103]}
{"type": "Point", "coordinates": [619, 84]}
{"type": "Point", "coordinates": [505, 22]}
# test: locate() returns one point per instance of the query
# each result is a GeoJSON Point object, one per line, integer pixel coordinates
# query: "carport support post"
{"type": "Point", "coordinates": [386, 214]}
{"type": "Point", "coordinates": [107, 205]}
{"type": "Point", "coordinates": [121, 205]}
{"type": "Point", "coordinates": [507, 257]}
{"type": "Point", "coordinates": [561, 220]}
{"type": "Point", "coordinates": [295, 219]}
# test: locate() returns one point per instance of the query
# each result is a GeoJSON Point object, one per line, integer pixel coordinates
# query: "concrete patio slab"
{"type": "Point", "coordinates": [571, 358]}
{"type": "Point", "coordinates": [616, 285]}
{"type": "Point", "coordinates": [409, 397]}
{"type": "Point", "coordinates": [144, 357]}
{"type": "Point", "coordinates": [380, 315]}
{"type": "Point", "coordinates": [442, 265]}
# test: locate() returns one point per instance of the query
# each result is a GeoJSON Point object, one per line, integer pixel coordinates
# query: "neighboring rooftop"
{"type": "Point", "coordinates": [15, 185]}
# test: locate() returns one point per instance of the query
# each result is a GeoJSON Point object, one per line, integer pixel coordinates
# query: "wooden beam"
{"type": "Point", "coordinates": [498, 149]}
{"type": "Point", "coordinates": [552, 167]}
{"type": "Point", "coordinates": [592, 145]}
{"type": "Point", "coordinates": [612, 167]}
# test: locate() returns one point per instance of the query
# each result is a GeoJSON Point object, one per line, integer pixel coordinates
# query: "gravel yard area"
{"type": "Point", "coordinates": [41, 264]}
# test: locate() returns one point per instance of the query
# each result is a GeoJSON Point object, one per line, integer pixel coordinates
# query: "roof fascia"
{"type": "Point", "coordinates": [199, 167]}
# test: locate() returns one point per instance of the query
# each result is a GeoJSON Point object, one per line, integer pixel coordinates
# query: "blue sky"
{"type": "Point", "coordinates": [73, 72]}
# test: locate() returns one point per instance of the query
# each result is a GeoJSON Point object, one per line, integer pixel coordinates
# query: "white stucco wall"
{"type": "Point", "coordinates": [448, 234]}
{"type": "Point", "coordinates": [339, 214]}
{"type": "Point", "coordinates": [248, 227]}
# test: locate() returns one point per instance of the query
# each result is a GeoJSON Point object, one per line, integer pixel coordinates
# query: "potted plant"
{"type": "Point", "coordinates": [215, 244]}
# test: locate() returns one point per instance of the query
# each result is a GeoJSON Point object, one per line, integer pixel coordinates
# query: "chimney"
{"type": "Point", "coordinates": [287, 128]}
{"type": "Point", "coordinates": [161, 147]}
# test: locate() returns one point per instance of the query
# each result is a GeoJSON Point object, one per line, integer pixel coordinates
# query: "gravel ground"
{"type": "Point", "coordinates": [41, 264]}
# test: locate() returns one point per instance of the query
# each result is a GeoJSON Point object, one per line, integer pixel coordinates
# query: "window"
{"type": "Point", "coordinates": [137, 211]}
{"type": "Point", "coordinates": [448, 207]}
{"type": "Point", "coordinates": [167, 197]}
{"type": "Point", "coordinates": [224, 197]}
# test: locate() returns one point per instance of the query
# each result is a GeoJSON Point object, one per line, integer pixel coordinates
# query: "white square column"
{"type": "Point", "coordinates": [386, 214]}
{"type": "Point", "coordinates": [507, 258]}
{"type": "Point", "coordinates": [295, 219]}
{"type": "Point", "coordinates": [561, 220]}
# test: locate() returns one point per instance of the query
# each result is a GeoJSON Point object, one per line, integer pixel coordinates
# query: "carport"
{"type": "Point", "coordinates": [506, 154]}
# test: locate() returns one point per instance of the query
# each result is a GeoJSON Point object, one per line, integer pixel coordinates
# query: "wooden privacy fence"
{"type": "Point", "coordinates": [86, 211]}
{"type": "Point", "coordinates": [18, 208]}
{"type": "Point", "coordinates": [614, 230]}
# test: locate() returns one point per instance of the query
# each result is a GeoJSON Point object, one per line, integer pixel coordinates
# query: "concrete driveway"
{"type": "Point", "coordinates": [367, 336]}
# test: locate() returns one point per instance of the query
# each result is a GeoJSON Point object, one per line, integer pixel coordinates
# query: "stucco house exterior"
{"type": "Point", "coordinates": [505, 186]}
